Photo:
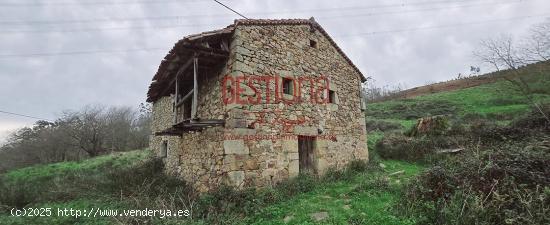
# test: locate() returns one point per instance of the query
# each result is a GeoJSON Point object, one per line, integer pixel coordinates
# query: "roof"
{"type": "Point", "coordinates": [169, 64]}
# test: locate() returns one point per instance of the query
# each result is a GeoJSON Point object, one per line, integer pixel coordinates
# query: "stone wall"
{"type": "Point", "coordinates": [259, 146]}
{"type": "Point", "coordinates": [163, 118]}
{"type": "Point", "coordinates": [285, 51]}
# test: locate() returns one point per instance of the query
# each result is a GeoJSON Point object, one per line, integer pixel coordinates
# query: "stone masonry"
{"type": "Point", "coordinates": [258, 145]}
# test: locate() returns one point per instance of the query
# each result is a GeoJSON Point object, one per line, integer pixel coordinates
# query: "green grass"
{"type": "Point", "coordinates": [369, 205]}
{"type": "Point", "coordinates": [29, 174]}
{"type": "Point", "coordinates": [43, 181]}
{"type": "Point", "coordinates": [365, 198]}
{"type": "Point", "coordinates": [56, 218]}
{"type": "Point", "coordinates": [500, 101]}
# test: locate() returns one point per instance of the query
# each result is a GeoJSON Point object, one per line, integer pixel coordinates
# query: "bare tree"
{"type": "Point", "coordinates": [537, 43]}
{"type": "Point", "coordinates": [86, 129]}
{"type": "Point", "coordinates": [88, 132]}
{"type": "Point", "coordinates": [504, 54]}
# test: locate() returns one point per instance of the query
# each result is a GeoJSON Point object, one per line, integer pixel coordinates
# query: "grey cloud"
{"type": "Point", "coordinates": [44, 86]}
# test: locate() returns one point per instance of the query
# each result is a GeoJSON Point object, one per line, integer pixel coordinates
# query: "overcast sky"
{"type": "Point", "coordinates": [47, 64]}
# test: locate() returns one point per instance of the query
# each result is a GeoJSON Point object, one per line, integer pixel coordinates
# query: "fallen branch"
{"type": "Point", "coordinates": [454, 150]}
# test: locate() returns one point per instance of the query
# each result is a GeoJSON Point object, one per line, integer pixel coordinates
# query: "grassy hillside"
{"type": "Point", "coordinates": [503, 145]}
{"type": "Point", "coordinates": [366, 198]}
{"type": "Point", "coordinates": [355, 196]}
{"type": "Point", "coordinates": [360, 194]}
{"type": "Point", "coordinates": [78, 185]}
{"type": "Point", "coordinates": [49, 171]}
{"type": "Point", "coordinates": [500, 102]}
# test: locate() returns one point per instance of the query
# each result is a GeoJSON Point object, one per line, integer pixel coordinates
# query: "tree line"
{"type": "Point", "coordinates": [91, 131]}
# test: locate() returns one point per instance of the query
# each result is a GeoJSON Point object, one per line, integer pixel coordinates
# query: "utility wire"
{"type": "Point", "coordinates": [109, 28]}
{"type": "Point", "coordinates": [92, 3]}
{"type": "Point", "coordinates": [197, 25]}
{"type": "Point", "coordinates": [80, 52]}
{"type": "Point", "coordinates": [442, 26]}
{"type": "Point", "coordinates": [22, 115]}
{"type": "Point", "coordinates": [345, 35]}
{"type": "Point", "coordinates": [23, 22]}
{"type": "Point", "coordinates": [100, 3]}
{"type": "Point", "coordinates": [232, 10]}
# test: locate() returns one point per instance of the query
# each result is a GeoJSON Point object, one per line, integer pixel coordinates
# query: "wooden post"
{"type": "Point", "coordinates": [195, 88]}
{"type": "Point", "coordinates": [176, 102]}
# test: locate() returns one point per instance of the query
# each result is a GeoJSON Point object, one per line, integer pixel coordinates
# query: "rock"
{"type": "Point", "coordinates": [436, 125]}
{"type": "Point", "coordinates": [318, 216]}
{"type": "Point", "coordinates": [382, 165]}
{"type": "Point", "coordinates": [397, 173]}
{"type": "Point", "coordinates": [288, 218]}
{"type": "Point", "coordinates": [346, 207]}
{"type": "Point", "coordinates": [252, 164]}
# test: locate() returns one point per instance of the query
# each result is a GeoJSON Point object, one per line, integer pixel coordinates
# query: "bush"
{"type": "Point", "coordinates": [377, 184]}
{"type": "Point", "coordinates": [473, 116]}
{"type": "Point", "coordinates": [381, 125]}
{"type": "Point", "coordinates": [434, 125]}
{"type": "Point", "coordinates": [149, 174]}
{"type": "Point", "coordinates": [534, 119]}
{"type": "Point", "coordinates": [505, 101]}
{"type": "Point", "coordinates": [144, 182]}
{"type": "Point", "coordinates": [414, 149]}
{"type": "Point", "coordinates": [496, 186]}
{"type": "Point", "coordinates": [408, 109]}
{"type": "Point", "coordinates": [15, 196]}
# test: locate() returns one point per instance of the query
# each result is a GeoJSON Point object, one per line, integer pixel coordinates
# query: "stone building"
{"type": "Point", "coordinates": [255, 103]}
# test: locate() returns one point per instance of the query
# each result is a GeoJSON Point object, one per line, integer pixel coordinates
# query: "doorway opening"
{"type": "Point", "coordinates": [306, 144]}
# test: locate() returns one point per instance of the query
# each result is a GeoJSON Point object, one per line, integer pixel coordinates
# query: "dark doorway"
{"type": "Point", "coordinates": [305, 153]}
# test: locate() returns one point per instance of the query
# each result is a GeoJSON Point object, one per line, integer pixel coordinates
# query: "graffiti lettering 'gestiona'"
{"type": "Point", "coordinates": [252, 89]}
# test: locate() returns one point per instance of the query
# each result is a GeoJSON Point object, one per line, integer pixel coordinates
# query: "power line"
{"type": "Point", "coordinates": [80, 52]}
{"type": "Point", "coordinates": [22, 115]}
{"type": "Point", "coordinates": [260, 13]}
{"type": "Point", "coordinates": [99, 3]}
{"type": "Point", "coordinates": [345, 35]}
{"type": "Point", "coordinates": [441, 26]}
{"type": "Point", "coordinates": [90, 3]}
{"type": "Point", "coordinates": [197, 25]}
{"type": "Point", "coordinates": [423, 10]}
{"type": "Point", "coordinates": [108, 28]}
{"type": "Point", "coordinates": [232, 10]}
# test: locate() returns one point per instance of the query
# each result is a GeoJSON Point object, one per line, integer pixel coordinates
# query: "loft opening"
{"type": "Point", "coordinates": [331, 96]}
{"type": "Point", "coordinates": [288, 86]}
{"type": "Point", "coordinates": [164, 149]}
{"type": "Point", "coordinates": [312, 43]}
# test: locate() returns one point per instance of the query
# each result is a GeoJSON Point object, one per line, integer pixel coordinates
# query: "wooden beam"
{"type": "Point", "coordinates": [195, 88]}
{"type": "Point", "coordinates": [179, 73]}
{"type": "Point", "coordinates": [176, 99]}
{"type": "Point", "coordinates": [184, 98]}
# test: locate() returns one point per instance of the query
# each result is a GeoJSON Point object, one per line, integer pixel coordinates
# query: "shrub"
{"type": "Point", "coordinates": [381, 125]}
{"type": "Point", "coordinates": [534, 119]}
{"type": "Point", "coordinates": [434, 125]}
{"type": "Point", "coordinates": [401, 147]}
{"type": "Point", "coordinates": [505, 101]}
{"type": "Point", "coordinates": [495, 186]}
{"type": "Point", "coordinates": [473, 116]}
{"type": "Point", "coordinates": [17, 196]}
{"type": "Point", "coordinates": [413, 109]}
{"type": "Point", "coordinates": [144, 182]}
{"type": "Point", "coordinates": [149, 174]}
{"type": "Point", "coordinates": [377, 184]}
{"type": "Point", "coordinates": [301, 183]}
